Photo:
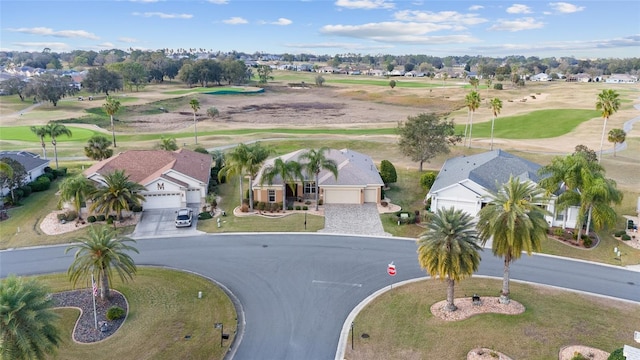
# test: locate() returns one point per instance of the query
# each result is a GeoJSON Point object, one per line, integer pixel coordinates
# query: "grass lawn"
{"type": "Point", "coordinates": [215, 89]}
{"type": "Point", "coordinates": [23, 133]}
{"type": "Point", "coordinates": [400, 82]}
{"type": "Point", "coordinates": [540, 124]}
{"type": "Point", "coordinates": [400, 325]}
{"type": "Point", "coordinates": [163, 309]}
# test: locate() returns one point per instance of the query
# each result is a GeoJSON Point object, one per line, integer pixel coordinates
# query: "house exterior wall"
{"type": "Point", "coordinates": [343, 195]}
{"type": "Point", "coordinates": [372, 194]}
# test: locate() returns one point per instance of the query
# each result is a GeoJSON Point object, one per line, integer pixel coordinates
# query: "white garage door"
{"type": "Point", "coordinates": [193, 196]}
{"type": "Point", "coordinates": [342, 196]}
{"type": "Point", "coordinates": [371, 195]}
{"type": "Point", "coordinates": [464, 206]}
{"type": "Point", "coordinates": [162, 201]}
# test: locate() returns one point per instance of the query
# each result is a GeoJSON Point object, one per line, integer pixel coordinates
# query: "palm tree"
{"type": "Point", "coordinates": [101, 252]}
{"type": "Point", "coordinates": [474, 81]}
{"type": "Point", "coordinates": [6, 169]}
{"type": "Point", "coordinates": [595, 201]}
{"type": "Point", "coordinates": [53, 131]}
{"type": "Point", "coordinates": [257, 155]}
{"type": "Point", "coordinates": [608, 102]}
{"type": "Point", "coordinates": [118, 194]}
{"type": "Point", "coordinates": [515, 221]}
{"type": "Point", "coordinates": [27, 323]}
{"type": "Point", "coordinates": [98, 148]}
{"type": "Point", "coordinates": [234, 165]}
{"type": "Point", "coordinates": [316, 161]}
{"type": "Point", "coordinates": [168, 144]}
{"type": "Point", "coordinates": [616, 136]}
{"type": "Point", "coordinates": [76, 189]}
{"type": "Point", "coordinates": [111, 107]}
{"type": "Point", "coordinates": [472, 101]}
{"type": "Point", "coordinates": [289, 172]}
{"type": "Point", "coordinates": [449, 249]}
{"type": "Point", "coordinates": [488, 81]}
{"type": "Point", "coordinates": [41, 132]}
{"type": "Point", "coordinates": [496, 106]}
{"type": "Point", "coordinates": [195, 106]}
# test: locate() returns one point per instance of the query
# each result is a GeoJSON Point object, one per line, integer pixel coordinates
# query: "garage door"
{"type": "Point", "coordinates": [193, 196]}
{"type": "Point", "coordinates": [464, 206]}
{"type": "Point", "coordinates": [162, 201]}
{"type": "Point", "coordinates": [371, 195]}
{"type": "Point", "coordinates": [342, 196]}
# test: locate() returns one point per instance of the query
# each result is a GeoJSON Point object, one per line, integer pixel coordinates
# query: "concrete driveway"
{"type": "Point", "coordinates": [353, 219]}
{"type": "Point", "coordinates": [161, 223]}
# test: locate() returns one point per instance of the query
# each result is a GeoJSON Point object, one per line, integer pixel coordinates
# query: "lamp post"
{"type": "Point", "coordinates": [352, 335]}
{"type": "Point", "coordinates": [221, 327]}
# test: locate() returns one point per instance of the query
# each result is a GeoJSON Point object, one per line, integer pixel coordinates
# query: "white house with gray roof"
{"type": "Point", "coordinates": [33, 165]}
{"type": "Point", "coordinates": [358, 181]}
{"type": "Point", "coordinates": [465, 183]}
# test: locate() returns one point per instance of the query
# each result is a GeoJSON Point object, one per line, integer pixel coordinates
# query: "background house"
{"type": "Point", "coordinates": [33, 165]}
{"type": "Point", "coordinates": [173, 178]}
{"type": "Point", "coordinates": [465, 183]}
{"type": "Point", "coordinates": [358, 181]}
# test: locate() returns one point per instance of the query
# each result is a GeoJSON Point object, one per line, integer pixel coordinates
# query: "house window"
{"type": "Point", "coordinates": [272, 195]}
{"type": "Point", "coordinates": [310, 188]}
{"type": "Point", "coordinates": [560, 216]}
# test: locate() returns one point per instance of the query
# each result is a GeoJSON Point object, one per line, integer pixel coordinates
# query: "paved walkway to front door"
{"type": "Point", "coordinates": [353, 219]}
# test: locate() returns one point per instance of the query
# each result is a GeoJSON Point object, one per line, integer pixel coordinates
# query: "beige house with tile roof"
{"type": "Point", "coordinates": [173, 179]}
{"type": "Point", "coordinates": [358, 181]}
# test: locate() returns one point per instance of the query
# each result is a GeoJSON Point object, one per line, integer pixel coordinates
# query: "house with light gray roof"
{"type": "Point", "coordinates": [33, 165]}
{"type": "Point", "coordinates": [358, 181]}
{"type": "Point", "coordinates": [465, 182]}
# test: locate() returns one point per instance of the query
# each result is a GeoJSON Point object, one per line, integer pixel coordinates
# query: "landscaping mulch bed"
{"type": "Point", "coordinates": [85, 330]}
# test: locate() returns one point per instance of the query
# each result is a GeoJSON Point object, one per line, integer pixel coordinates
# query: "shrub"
{"type": "Point", "coordinates": [579, 356]}
{"type": "Point", "coordinates": [49, 175]}
{"type": "Point", "coordinates": [62, 216]}
{"type": "Point", "coordinates": [112, 217]}
{"type": "Point", "coordinates": [298, 207]}
{"type": "Point", "coordinates": [427, 179]}
{"type": "Point", "coordinates": [588, 242]}
{"type": "Point", "coordinates": [42, 183]}
{"type": "Point", "coordinates": [204, 216]}
{"type": "Point", "coordinates": [26, 189]}
{"type": "Point", "coordinates": [71, 215]}
{"type": "Point", "coordinates": [201, 150]}
{"type": "Point", "coordinates": [101, 217]}
{"type": "Point", "coordinates": [305, 208]}
{"type": "Point", "coordinates": [497, 86]}
{"type": "Point", "coordinates": [388, 172]}
{"type": "Point", "coordinates": [625, 237]}
{"type": "Point", "coordinates": [384, 203]}
{"type": "Point", "coordinates": [115, 313]}
{"type": "Point", "coordinates": [616, 355]}
{"type": "Point", "coordinates": [558, 232]}
{"type": "Point", "coordinates": [91, 219]}
{"type": "Point", "coordinates": [61, 172]}
{"type": "Point", "coordinates": [18, 194]}
{"type": "Point", "coordinates": [619, 233]}
{"type": "Point", "coordinates": [262, 206]}
{"type": "Point", "coordinates": [320, 202]}
{"type": "Point", "coordinates": [244, 208]}
{"type": "Point", "coordinates": [289, 207]}
{"type": "Point", "coordinates": [136, 208]}
{"type": "Point", "coordinates": [110, 220]}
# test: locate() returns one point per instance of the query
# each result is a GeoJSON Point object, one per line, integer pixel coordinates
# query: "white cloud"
{"type": "Point", "coordinates": [365, 4]}
{"type": "Point", "coordinates": [106, 45]}
{"type": "Point", "coordinates": [282, 21]}
{"type": "Point", "coordinates": [340, 45]}
{"type": "Point", "coordinates": [146, 1]}
{"type": "Point", "coordinates": [236, 20]}
{"type": "Point", "coordinates": [518, 9]}
{"type": "Point", "coordinates": [219, 2]}
{"type": "Point", "coordinates": [55, 46]}
{"type": "Point", "coordinates": [448, 17]}
{"type": "Point", "coordinates": [475, 7]}
{"type": "Point", "coordinates": [163, 15]}
{"type": "Point", "coordinates": [566, 8]}
{"type": "Point", "coordinates": [563, 46]}
{"type": "Point", "coordinates": [397, 32]}
{"type": "Point", "coordinates": [127, 40]}
{"type": "Point", "coordinates": [527, 23]}
{"type": "Point", "coordinates": [59, 33]}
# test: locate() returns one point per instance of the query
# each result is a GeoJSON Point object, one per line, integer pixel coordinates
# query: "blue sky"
{"type": "Point", "coordinates": [584, 29]}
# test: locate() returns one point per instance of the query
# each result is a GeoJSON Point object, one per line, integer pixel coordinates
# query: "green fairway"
{"type": "Point", "coordinates": [539, 124]}
{"type": "Point", "coordinates": [217, 90]}
{"type": "Point", "coordinates": [23, 133]}
{"type": "Point", "coordinates": [400, 82]}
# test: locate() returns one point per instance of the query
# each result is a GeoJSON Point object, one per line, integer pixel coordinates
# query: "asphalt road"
{"type": "Point", "coordinates": [297, 289]}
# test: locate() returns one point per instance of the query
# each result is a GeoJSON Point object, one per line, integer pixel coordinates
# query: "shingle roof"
{"type": "Point", "coordinates": [144, 166]}
{"type": "Point", "coordinates": [354, 168]}
{"type": "Point", "coordinates": [29, 160]}
{"type": "Point", "coordinates": [485, 169]}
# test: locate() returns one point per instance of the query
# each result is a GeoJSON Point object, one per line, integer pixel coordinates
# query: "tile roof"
{"type": "Point", "coordinates": [144, 166]}
{"type": "Point", "coordinates": [485, 169]}
{"type": "Point", "coordinates": [29, 160]}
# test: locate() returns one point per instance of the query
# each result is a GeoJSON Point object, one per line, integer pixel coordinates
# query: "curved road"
{"type": "Point", "coordinates": [298, 289]}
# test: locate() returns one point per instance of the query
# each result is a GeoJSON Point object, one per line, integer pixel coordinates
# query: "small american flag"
{"type": "Point", "coordinates": [94, 286]}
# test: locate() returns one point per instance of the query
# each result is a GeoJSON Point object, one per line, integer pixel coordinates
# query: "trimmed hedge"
{"type": "Point", "coordinates": [42, 183]}
{"type": "Point", "coordinates": [115, 313]}
{"type": "Point", "coordinates": [204, 216]}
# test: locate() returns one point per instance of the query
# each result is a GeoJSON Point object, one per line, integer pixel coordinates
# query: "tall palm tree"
{"type": "Point", "coordinates": [98, 148]}
{"type": "Point", "coordinates": [111, 107]}
{"type": "Point", "coordinates": [595, 201]}
{"type": "Point", "coordinates": [496, 106]}
{"type": "Point", "coordinates": [472, 100]}
{"type": "Point", "coordinates": [195, 106]}
{"type": "Point", "coordinates": [314, 161]}
{"type": "Point", "coordinates": [515, 222]}
{"type": "Point", "coordinates": [475, 82]}
{"type": "Point", "coordinates": [41, 132]}
{"type": "Point", "coordinates": [53, 131]}
{"type": "Point", "coordinates": [616, 136]}
{"type": "Point", "coordinates": [101, 252]}
{"type": "Point", "coordinates": [257, 155]}
{"type": "Point", "coordinates": [289, 172]}
{"type": "Point", "coordinates": [608, 102]}
{"type": "Point", "coordinates": [27, 323]}
{"type": "Point", "coordinates": [118, 194]}
{"type": "Point", "coordinates": [488, 81]}
{"type": "Point", "coordinates": [234, 165]}
{"type": "Point", "coordinates": [449, 249]}
{"type": "Point", "coordinates": [76, 189]}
